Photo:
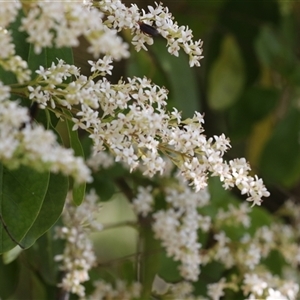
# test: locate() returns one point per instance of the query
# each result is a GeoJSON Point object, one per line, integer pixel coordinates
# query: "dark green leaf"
{"type": "Point", "coordinates": [129, 271]}
{"type": "Point", "coordinates": [9, 276]}
{"type": "Point", "coordinates": [242, 19]}
{"type": "Point", "coordinates": [183, 85]}
{"type": "Point", "coordinates": [47, 57]}
{"type": "Point", "coordinates": [280, 262]}
{"type": "Point", "coordinates": [19, 37]}
{"type": "Point", "coordinates": [275, 50]}
{"type": "Point", "coordinates": [22, 193]}
{"type": "Point", "coordinates": [41, 256]}
{"type": "Point", "coordinates": [78, 189]}
{"type": "Point", "coordinates": [29, 285]}
{"type": "Point", "coordinates": [104, 186]}
{"type": "Point", "coordinates": [168, 269]}
{"type": "Point", "coordinates": [141, 64]}
{"type": "Point", "coordinates": [51, 209]}
{"type": "Point", "coordinates": [255, 104]}
{"type": "Point", "coordinates": [268, 46]}
{"type": "Point", "coordinates": [280, 160]}
{"type": "Point", "coordinates": [106, 181]}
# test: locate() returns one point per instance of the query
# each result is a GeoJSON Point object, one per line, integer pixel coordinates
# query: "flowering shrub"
{"type": "Point", "coordinates": [161, 162]}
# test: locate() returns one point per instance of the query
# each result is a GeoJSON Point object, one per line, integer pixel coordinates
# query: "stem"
{"type": "Point", "coordinates": [8, 232]}
{"type": "Point", "coordinates": [120, 224]}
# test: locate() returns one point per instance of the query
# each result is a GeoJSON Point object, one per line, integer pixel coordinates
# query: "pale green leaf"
{"type": "Point", "coordinates": [227, 76]}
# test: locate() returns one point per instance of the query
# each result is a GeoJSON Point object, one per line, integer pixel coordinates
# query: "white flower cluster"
{"type": "Point", "coordinates": [137, 128]}
{"type": "Point", "coordinates": [134, 124]}
{"type": "Point", "coordinates": [78, 257]}
{"type": "Point", "coordinates": [174, 291]}
{"type": "Point", "coordinates": [143, 203]}
{"type": "Point", "coordinates": [100, 160]}
{"type": "Point", "coordinates": [130, 119]}
{"type": "Point", "coordinates": [216, 290]}
{"type": "Point", "coordinates": [177, 228]}
{"type": "Point", "coordinates": [24, 143]}
{"type": "Point", "coordinates": [234, 215]}
{"type": "Point", "coordinates": [248, 253]}
{"type": "Point", "coordinates": [121, 290]}
{"type": "Point", "coordinates": [267, 286]}
{"type": "Point", "coordinates": [178, 37]}
{"type": "Point", "coordinates": [291, 209]}
{"type": "Point", "coordinates": [9, 61]}
{"type": "Point", "coordinates": [8, 13]}
{"type": "Point", "coordinates": [61, 23]}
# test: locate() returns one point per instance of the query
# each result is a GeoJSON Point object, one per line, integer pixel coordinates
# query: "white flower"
{"type": "Point", "coordinates": [102, 65]}
{"type": "Point", "coordinates": [216, 290]}
{"type": "Point", "coordinates": [61, 24]}
{"type": "Point", "coordinates": [78, 257]}
{"type": "Point", "coordinates": [249, 257]}
{"type": "Point", "coordinates": [275, 295]}
{"type": "Point", "coordinates": [177, 228]}
{"type": "Point", "coordinates": [254, 284]}
{"type": "Point", "coordinates": [143, 202]}
{"type": "Point", "coordinates": [8, 12]}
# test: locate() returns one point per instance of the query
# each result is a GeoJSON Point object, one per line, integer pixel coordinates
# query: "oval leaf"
{"type": "Point", "coordinates": [51, 209]}
{"type": "Point", "coordinates": [22, 193]}
{"type": "Point", "coordinates": [227, 76]}
{"type": "Point", "coordinates": [183, 84]}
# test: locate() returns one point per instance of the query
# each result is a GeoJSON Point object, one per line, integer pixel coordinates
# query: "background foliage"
{"type": "Point", "coordinates": [248, 88]}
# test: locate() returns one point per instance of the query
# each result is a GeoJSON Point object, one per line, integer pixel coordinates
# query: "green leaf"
{"type": "Point", "coordinates": [142, 64]}
{"type": "Point", "coordinates": [267, 46]}
{"type": "Point", "coordinates": [210, 273]}
{"type": "Point", "coordinates": [236, 17]}
{"type": "Point", "coordinates": [78, 189]}
{"type": "Point", "coordinates": [276, 50]}
{"type": "Point", "coordinates": [168, 269]}
{"type": "Point", "coordinates": [128, 271]}
{"type": "Point", "coordinates": [19, 37]}
{"type": "Point", "coordinates": [47, 57]}
{"type": "Point", "coordinates": [227, 76]}
{"type": "Point", "coordinates": [29, 285]}
{"type": "Point", "coordinates": [104, 186]}
{"type": "Point", "coordinates": [51, 209]}
{"type": "Point", "coordinates": [150, 261]}
{"type": "Point", "coordinates": [78, 193]}
{"type": "Point", "coordinates": [280, 160]}
{"type": "Point", "coordinates": [9, 276]}
{"type": "Point", "coordinates": [22, 192]}
{"type": "Point", "coordinates": [40, 257]}
{"type": "Point", "coordinates": [280, 262]}
{"type": "Point", "coordinates": [184, 91]}
{"type": "Point", "coordinates": [255, 104]}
